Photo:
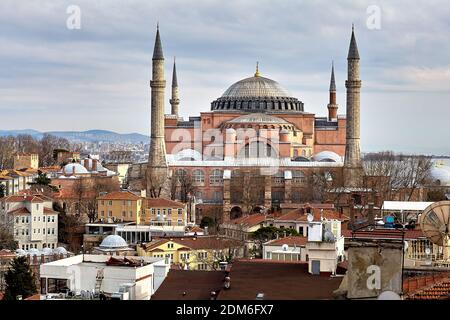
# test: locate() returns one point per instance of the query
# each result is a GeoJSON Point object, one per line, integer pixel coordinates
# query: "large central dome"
{"type": "Point", "coordinates": [255, 87]}
{"type": "Point", "coordinates": [257, 94]}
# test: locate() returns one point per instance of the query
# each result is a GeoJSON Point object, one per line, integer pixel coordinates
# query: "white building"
{"type": "Point", "coordinates": [88, 276]}
{"type": "Point", "coordinates": [31, 219]}
{"type": "Point", "coordinates": [325, 246]}
{"type": "Point", "coordinates": [286, 249]}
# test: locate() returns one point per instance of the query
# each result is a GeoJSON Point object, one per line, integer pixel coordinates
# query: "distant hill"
{"type": "Point", "coordinates": [84, 136]}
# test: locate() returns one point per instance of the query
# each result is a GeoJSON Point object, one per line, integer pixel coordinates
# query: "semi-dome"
{"type": "Point", "coordinates": [440, 175]}
{"type": "Point", "coordinates": [327, 156]}
{"type": "Point", "coordinates": [33, 252]}
{"type": "Point", "coordinates": [113, 242]}
{"type": "Point", "coordinates": [261, 118]}
{"type": "Point", "coordinates": [257, 94]}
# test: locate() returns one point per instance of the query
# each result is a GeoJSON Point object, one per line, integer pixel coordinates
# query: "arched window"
{"type": "Point", "coordinates": [298, 177]}
{"type": "Point", "coordinates": [258, 150]}
{"type": "Point", "coordinates": [216, 177]}
{"type": "Point", "coordinates": [279, 177]}
{"type": "Point", "coordinates": [198, 176]}
{"type": "Point", "coordinates": [218, 196]}
{"type": "Point", "coordinates": [180, 173]}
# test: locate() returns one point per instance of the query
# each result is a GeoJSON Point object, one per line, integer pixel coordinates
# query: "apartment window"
{"type": "Point", "coordinates": [35, 245]}
{"type": "Point", "coordinates": [180, 222]}
{"type": "Point", "coordinates": [103, 213]}
{"type": "Point", "coordinates": [131, 214]}
{"type": "Point", "coordinates": [53, 218]}
{"type": "Point", "coordinates": [23, 219]}
{"type": "Point", "coordinates": [180, 211]}
{"type": "Point", "coordinates": [39, 231]}
{"type": "Point", "coordinates": [53, 246]}
{"type": "Point", "coordinates": [124, 214]}
{"type": "Point", "coordinates": [170, 245]}
{"type": "Point", "coordinates": [53, 230]}
{"type": "Point", "coordinates": [17, 232]}
{"type": "Point", "coordinates": [34, 231]}
{"type": "Point", "coordinates": [109, 213]}
{"type": "Point", "coordinates": [27, 220]}
{"type": "Point", "coordinates": [26, 231]}
{"type": "Point", "coordinates": [17, 219]}
{"type": "Point", "coordinates": [48, 231]}
{"type": "Point", "coordinates": [37, 206]}
{"type": "Point", "coordinates": [169, 211]}
{"type": "Point", "coordinates": [153, 211]}
{"type": "Point", "coordinates": [43, 230]}
{"type": "Point", "coordinates": [48, 219]}
{"type": "Point", "coordinates": [129, 203]}
{"type": "Point", "coordinates": [26, 246]}
{"type": "Point", "coordinates": [23, 232]}
{"type": "Point", "coordinates": [159, 212]}
{"type": "Point", "coordinates": [110, 203]}
{"type": "Point", "coordinates": [39, 219]}
{"type": "Point", "coordinates": [34, 219]}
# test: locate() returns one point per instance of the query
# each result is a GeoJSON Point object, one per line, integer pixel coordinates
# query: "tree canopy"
{"type": "Point", "coordinates": [19, 280]}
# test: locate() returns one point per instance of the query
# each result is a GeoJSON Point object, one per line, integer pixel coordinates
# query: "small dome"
{"type": "Point", "coordinates": [74, 168]}
{"type": "Point", "coordinates": [33, 252]}
{"type": "Point", "coordinates": [440, 174]}
{"type": "Point", "coordinates": [21, 252]}
{"type": "Point", "coordinates": [60, 250]}
{"type": "Point", "coordinates": [47, 251]}
{"type": "Point", "coordinates": [113, 242]}
{"type": "Point", "coordinates": [327, 156]}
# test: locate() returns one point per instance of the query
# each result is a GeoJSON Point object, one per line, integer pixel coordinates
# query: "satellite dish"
{"type": "Point", "coordinates": [388, 295]}
{"type": "Point", "coordinates": [285, 247]}
{"type": "Point", "coordinates": [435, 225]}
{"type": "Point", "coordinates": [310, 217]}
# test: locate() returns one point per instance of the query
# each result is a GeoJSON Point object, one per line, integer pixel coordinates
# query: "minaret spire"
{"type": "Point", "coordinates": [157, 170]}
{"type": "Point", "coordinates": [332, 105]}
{"type": "Point", "coordinates": [353, 171]}
{"type": "Point", "coordinates": [175, 101]}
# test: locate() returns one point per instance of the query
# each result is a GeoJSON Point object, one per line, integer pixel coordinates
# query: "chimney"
{"type": "Point", "coordinates": [371, 214]}
{"type": "Point", "coordinates": [352, 214]}
{"type": "Point", "coordinates": [94, 164]}
{"type": "Point", "coordinates": [86, 164]}
{"type": "Point", "coordinates": [73, 170]}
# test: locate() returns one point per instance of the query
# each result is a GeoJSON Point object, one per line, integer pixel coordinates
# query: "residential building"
{"type": "Point", "coordinates": [31, 219]}
{"type": "Point", "coordinates": [164, 212]}
{"type": "Point", "coordinates": [102, 276]}
{"type": "Point", "coordinates": [26, 160]}
{"type": "Point", "coordinates": [291, 248]}
{"type": "Point", "coordinates": [196, 253]}
{"type": "Point", "coordinates": [120, 206]}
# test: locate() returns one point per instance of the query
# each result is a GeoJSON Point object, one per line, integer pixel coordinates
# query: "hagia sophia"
{"type": "Point", "coordinates": [255, 125]}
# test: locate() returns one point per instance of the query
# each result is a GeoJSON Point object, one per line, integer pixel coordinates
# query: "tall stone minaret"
{"type": "Point", "coordinates": [332, 105]}
{"type": "Point", "coordinates": [157, 170]}
{"type": "Point", "coordinates": [353, 172]}
{"type": "Point", "coordinates": [175, 101]}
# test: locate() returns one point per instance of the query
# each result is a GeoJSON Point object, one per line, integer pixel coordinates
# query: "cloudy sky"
{"type": "Point", "coordinates": [97, 77]}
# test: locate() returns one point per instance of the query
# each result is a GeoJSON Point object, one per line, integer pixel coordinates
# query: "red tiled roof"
{"type": "Point", "coordinates": [198, 243]}
{"type": "Point", "coordinates": [298, 215]}
{"type": "Point", "coordinates": [7, 253]}
{"type": "Point", "coordinates": [49, 211]}
{"type": "Point", "coordinates": [119, 195]}
{"type": "Point", "coordinates": [290, 241]}
{"type": "Point", "coordinates": [162, 203]}
{"type": "Point", "coordinates": [276, 280]}
{"type": "Point", "coordinates": [28, 198]}
{"type": "Point", "coordinates": [250, 220]}
{"type": "Point", "coordinates": [19, 211]}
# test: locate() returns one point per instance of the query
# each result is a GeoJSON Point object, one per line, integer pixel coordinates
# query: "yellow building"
{"type": "Point", "coordinates": [26, 160]}
{"type": "Point", "coordinates": [119, 207]}
{"type": "Point", "coordinates": [197, 253]}
{"type": "Point", "coordinates": [164, 212]}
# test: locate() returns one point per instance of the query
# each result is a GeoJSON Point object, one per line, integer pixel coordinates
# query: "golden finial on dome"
{"type": "Point", "coordinates": [257, 74]}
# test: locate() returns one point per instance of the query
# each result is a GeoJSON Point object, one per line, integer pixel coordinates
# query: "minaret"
{"type": "Point", "coordinates": [175, 101]}
{"type": "Point", "coordinates": [157, 171]}
{"type": "Point", "coordinates": [353, 171]}
{"type": "Point", "coordinates": [332, 106]}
